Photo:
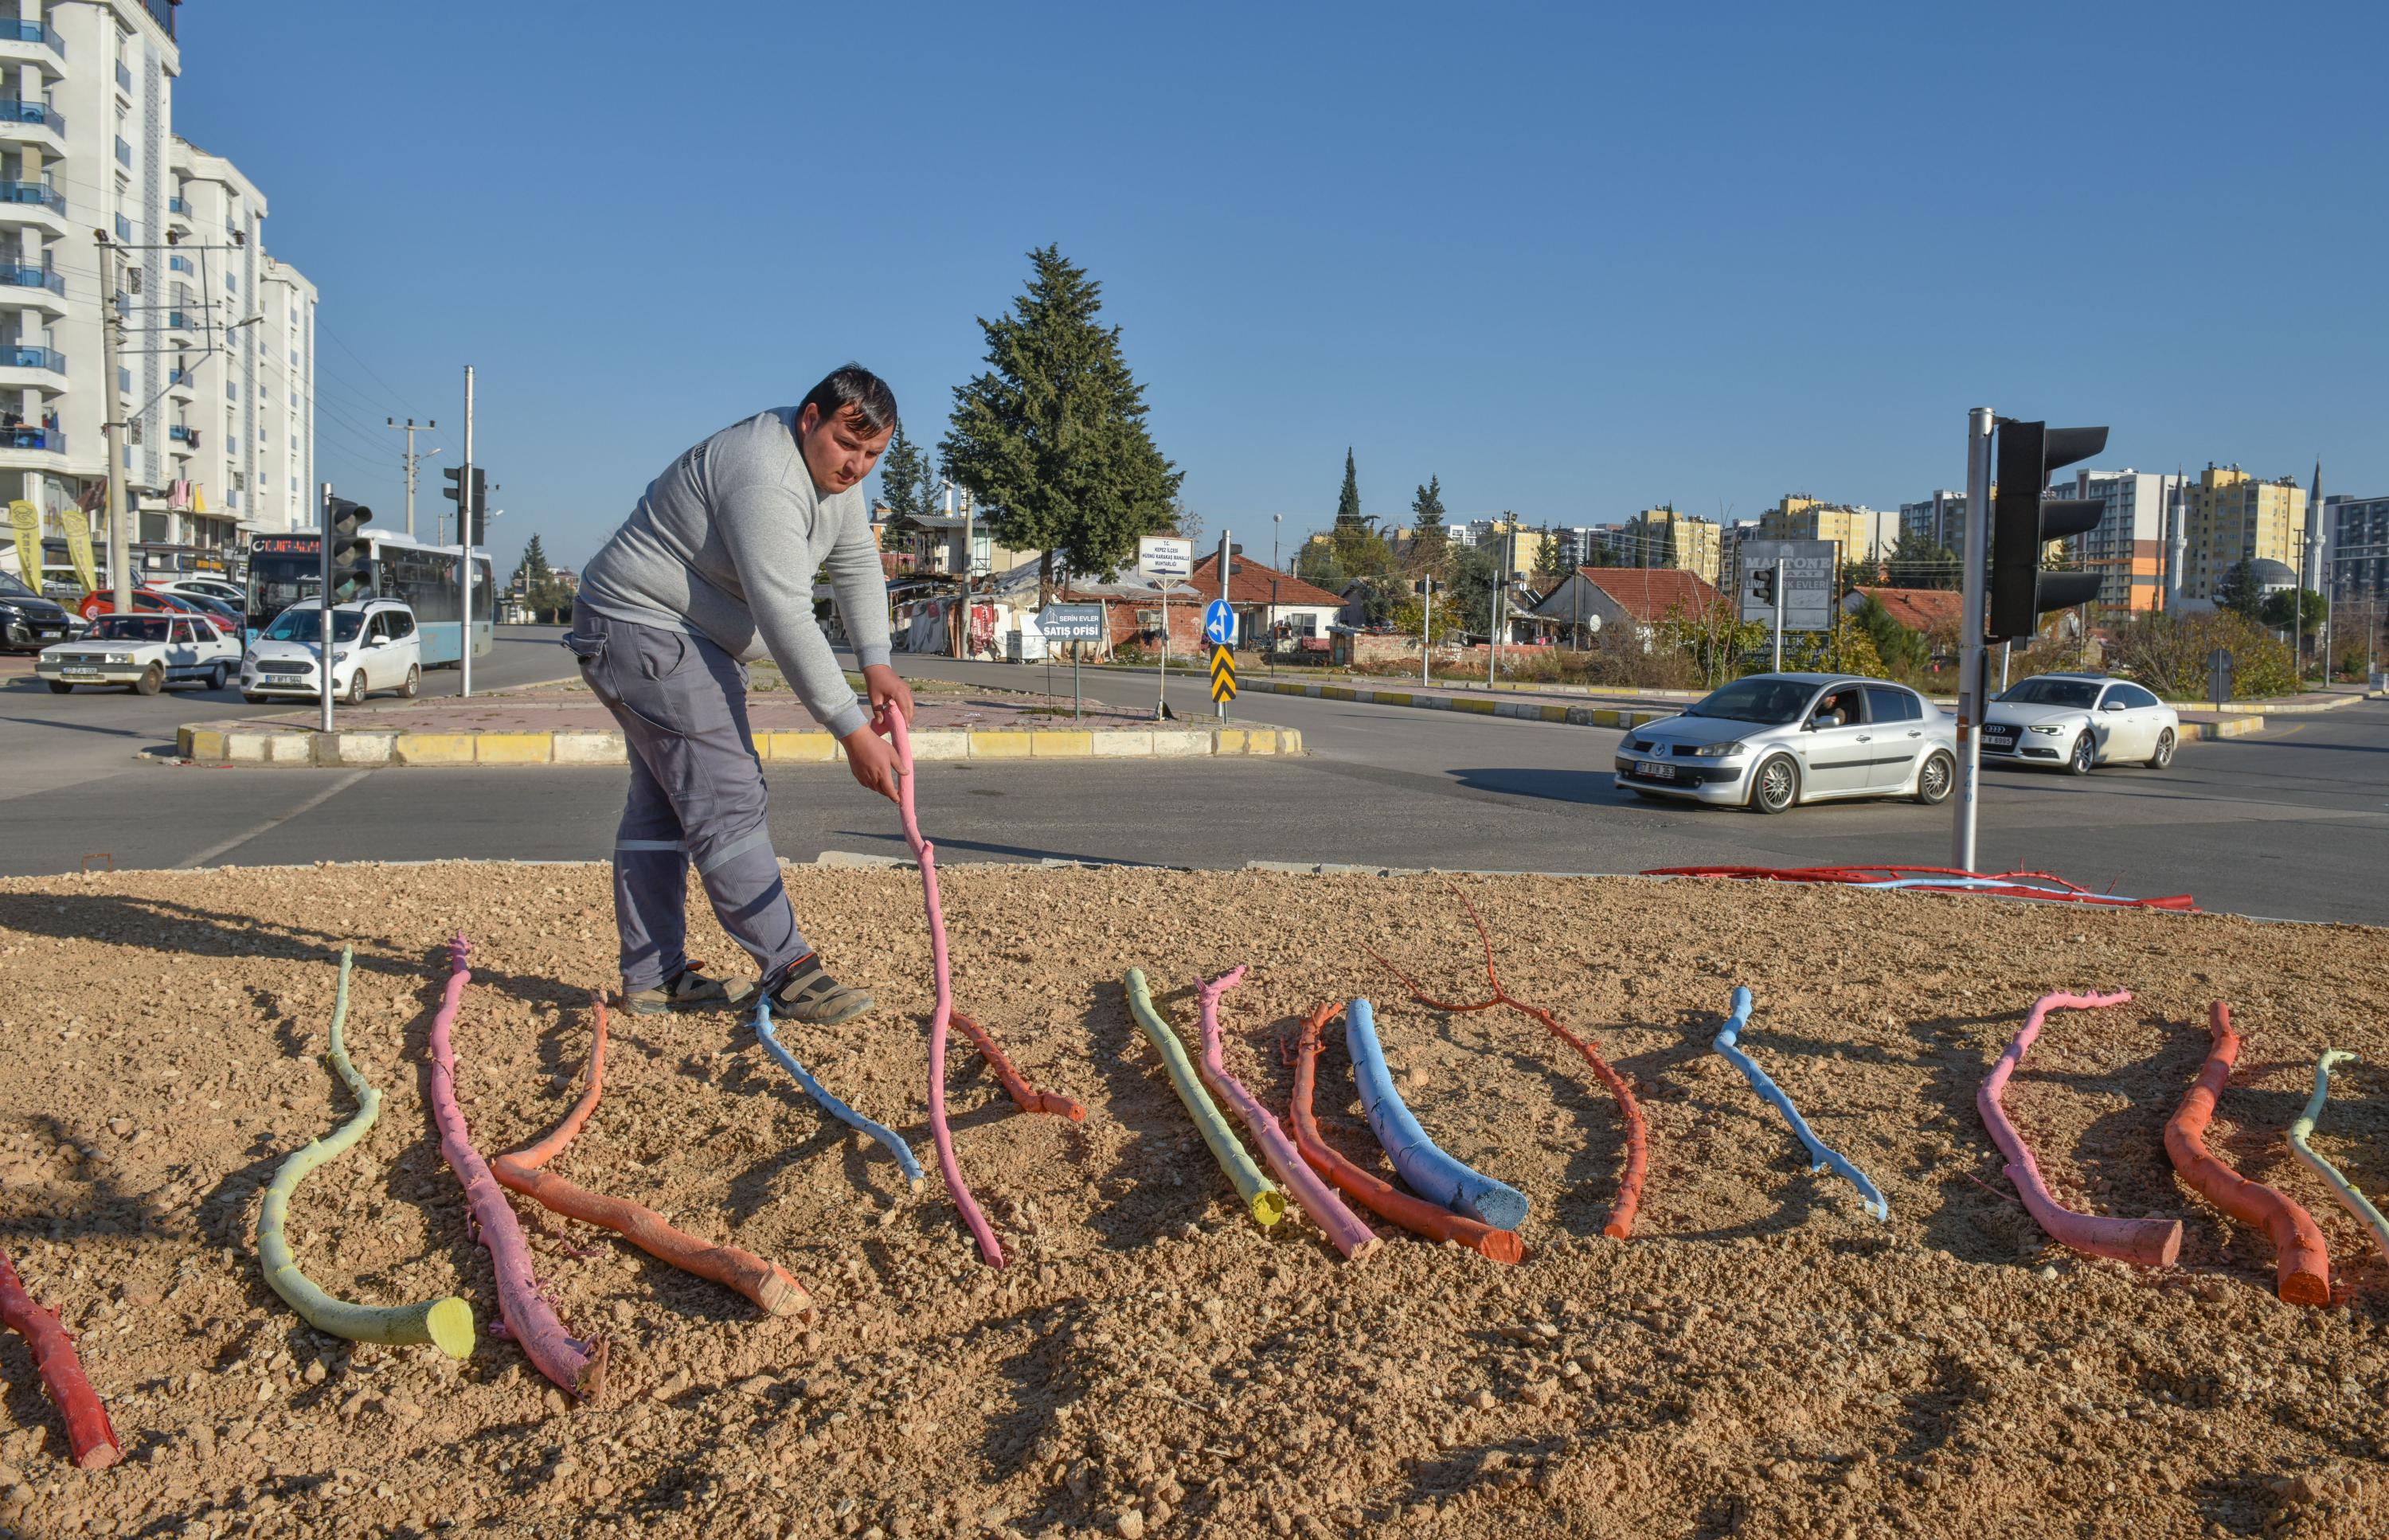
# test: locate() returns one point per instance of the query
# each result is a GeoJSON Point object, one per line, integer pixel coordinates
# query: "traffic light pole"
{"type": "Point", "coordinates": [1973, 655]}
{"type": "Point", "coordinates": [1779, 615]}
{"type": "Point", "coordinates": [465, 553]}
{"type": "Point", "coordinates": [324, 612]}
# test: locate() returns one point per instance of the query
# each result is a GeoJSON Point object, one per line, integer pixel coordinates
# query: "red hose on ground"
{"type": "Point", "coordinates": [1380, 1197]}
{"type": "Point", "coordinates": [764, 1282]}
{"type": "Point", "coordinates": [989, 1249]}
{"type": "Point", "coordinates": [1638, 1156]}
{"type": "Point", "coordinates": [579, 1368]}
{"type": "Point", "coordinates": [2147, 1242]}
{"type": "Point", "coordinates": [89, 1437]}
{"type": "Point", "coordinates": [2002, 884]}
{"type": "Point", "coordinates": [2304, 1268]}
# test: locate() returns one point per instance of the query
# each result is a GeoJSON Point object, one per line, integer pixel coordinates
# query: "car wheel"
{"type": "Point", "coordinates": [1774, 786]}
{"type": "Point", "coordinates": [217, 676]}
{"type": "Point", "coordinates": [2085, 755]}
{"type": "Point", "coordinates": [356, 696]}
{"type": "Point", "coordinates": [1934, 782]}
{"type": "Point", "coordinates": [151, 680]}
{"type": "Point", "coordinates": [414, 682]}
{"type": "Point", "coordinates": [57, 686]}
{"type": "Point", "coordinates": [2163, 757]}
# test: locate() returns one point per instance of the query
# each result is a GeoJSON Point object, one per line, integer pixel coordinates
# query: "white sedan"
{"type": "Point", "coordinates": [2077, 721]}
{"type": "Point", "coordinates": [144, 653]}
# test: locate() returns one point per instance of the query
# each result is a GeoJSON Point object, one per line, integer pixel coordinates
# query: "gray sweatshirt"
{"type": "Point", "coordinates": [724, 545]}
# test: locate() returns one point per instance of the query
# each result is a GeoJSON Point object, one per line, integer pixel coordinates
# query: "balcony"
{"type": "Point", "coordinates": [47, 440]}
{"type": "Point", "coordinates": [15, 357]}
{"type": "Point", "coordinates": [181, 321]}
{"type": "Point", "coordinates": [33, 123]}
{"type": "Point", "coordinates": [180, 263]}
{"type": "Point", "coordinates": [38, 287]}
{"type": "Point", "coordinates": [35, 203]}
{"type": "Point", "coordinates": [35, 42]}
{"type": "Point", "coordinates": [183, 433]}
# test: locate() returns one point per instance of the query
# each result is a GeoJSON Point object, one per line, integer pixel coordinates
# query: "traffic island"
{"type": "Point", "coordinates": [570, 727]}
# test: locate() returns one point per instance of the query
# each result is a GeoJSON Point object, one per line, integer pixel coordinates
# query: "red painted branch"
{"type": "Point", "coordinates": [2303, 1268]}
{"type": "Point", "coordinates": [764, 1282]}
{"type": "Point", "coordinates": [89, 1437]}
{"type": "Point", "coordinates": [1028, 1097]}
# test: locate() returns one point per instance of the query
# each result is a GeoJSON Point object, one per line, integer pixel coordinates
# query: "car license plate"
{"type": "Point", "coordinates": [80, 674]}
{"type": "Point", "coordinates": [1656, 772]}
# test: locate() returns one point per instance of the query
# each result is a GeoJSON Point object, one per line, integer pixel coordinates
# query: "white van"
{"type": "Point", "coordinates": [374, 648]}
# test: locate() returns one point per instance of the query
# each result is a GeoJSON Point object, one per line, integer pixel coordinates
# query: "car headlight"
{"type": "Point", "coordinates": [2043, 727]}
{"type": "Point", "coordinates": [1716, 751]}
{"type": "Point", "coordinates": [120, 657]}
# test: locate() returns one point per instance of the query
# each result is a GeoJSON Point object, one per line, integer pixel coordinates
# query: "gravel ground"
{"type": "Point", "coordinates": [1760, 1359]}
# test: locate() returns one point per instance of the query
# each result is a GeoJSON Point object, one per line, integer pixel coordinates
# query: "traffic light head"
{"type": "Point", "coordinates": [2023, 523]}
{"type": "Point", "coordinates": [1762, 584]}
{"type": "Point", "coordinates": [352, 560]}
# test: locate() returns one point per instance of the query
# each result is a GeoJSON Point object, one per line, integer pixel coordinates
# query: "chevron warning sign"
{"type": "Point", "coordinates": [1224, 675]}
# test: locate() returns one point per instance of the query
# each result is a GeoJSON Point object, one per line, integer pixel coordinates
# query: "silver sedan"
{"type": "Point", "coordinates": [1771, 741]}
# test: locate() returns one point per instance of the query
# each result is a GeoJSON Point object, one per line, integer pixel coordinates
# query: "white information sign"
{"type": "Point", "coordinates": [1807, 598]}
{"type": "Point", "coordinates": [1165, 556]}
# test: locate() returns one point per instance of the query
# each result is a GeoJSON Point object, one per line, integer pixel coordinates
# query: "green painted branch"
{"type": "Point", "coordinates": [1261, 1197]}
{"type": "Point", "coordinates": [446, 1323]}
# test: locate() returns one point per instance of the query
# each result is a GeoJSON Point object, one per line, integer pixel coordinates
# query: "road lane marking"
{"type": "Point", "coordinates": [212, 851]}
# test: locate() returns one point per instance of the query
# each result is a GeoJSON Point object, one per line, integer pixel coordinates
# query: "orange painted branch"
{"type": "Point", "coordinates": [89, 1437]}
{"type": "Point", "coordinates": [2304, 1265]}
{"type": "Point", "coordinates": [1638, 1157]}
{"type": "Point", "coordinates": [1372, 1192]}
{"type": "Point", "coordinates": [764, 1282]}
{"type": "Point", "coordinates": [1028, 1097]}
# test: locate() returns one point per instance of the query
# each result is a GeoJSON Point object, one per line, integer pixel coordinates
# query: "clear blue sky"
{"type": "Point", "coordinates": [1573, 260]}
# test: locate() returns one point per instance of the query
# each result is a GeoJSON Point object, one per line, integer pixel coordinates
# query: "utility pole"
{"type": "Point", "coordinates": [464, 553]}
{"type": "Point", "coordinates": [962, 627]}
{"type": "Point", "coordinates": [112, 330]}
{"type": "Point", "coordinates": [324, 608]}
{"type": "Point", "coordinates": [1427, 630]}
{"type": "Point", "coordinates": [410, 427]}
{"type": "Point", "coordinates": [1971, 655]}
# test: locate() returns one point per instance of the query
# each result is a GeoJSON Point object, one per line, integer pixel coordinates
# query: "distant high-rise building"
{"type": "Point", "coordinates": [2356, 550]}
{"type": "Point", "coordinates": [1663, 537]}
{"type": "Point", "coordinates": [1864, 534]}
{"type": "Point", "coordinates": [1940, 518]}
{"type": "Point", "coordinates": [2128, 549]}
{"type": "Point", "coordinates": [2232, 518]}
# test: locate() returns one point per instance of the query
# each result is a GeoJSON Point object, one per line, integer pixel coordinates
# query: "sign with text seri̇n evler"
{"type": "Point", "coordinates": [1807, 583]}
{"type": "Point", "coordinates": [1071, 622]}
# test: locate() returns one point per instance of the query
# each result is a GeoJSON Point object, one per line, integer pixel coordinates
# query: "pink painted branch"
{"type": "Point", "coordinates": [2147, 1242]}
{"type": "Point", "coordinates": [1329, 1212]}
{"type": "Point", "coordinates": [990, 1251]}
{"type": "Point", "coordinates": [579, 1368]}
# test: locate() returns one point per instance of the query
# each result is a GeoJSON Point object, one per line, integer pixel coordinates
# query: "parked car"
{"type": "Point", "coordinates": [143, 653]}
{"type": "Point", "coordinates": [30, 622]}
{"type": "Point", "coordinates": [374, 647]}
{"type": "Point", "coordinates": [223, 592]}
{"type": "Point", "coordinates": [2077, 721]}
{"type": "Point", "coordinates": [146, 601]}
{"type": "Point", "coordinates": [1775, 741]}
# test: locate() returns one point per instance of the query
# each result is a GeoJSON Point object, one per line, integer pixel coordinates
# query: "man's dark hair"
{"type": "Point", "coordinates": [857, 388]}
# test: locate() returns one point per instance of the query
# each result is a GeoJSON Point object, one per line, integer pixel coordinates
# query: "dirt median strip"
{"type": "Point", "coordinates": [1517, 710]}
{"type": "Point", "coordinates": [246, 744]}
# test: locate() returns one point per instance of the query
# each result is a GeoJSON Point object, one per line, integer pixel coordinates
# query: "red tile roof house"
{"type": "Point", "coordinates": [1637, 599]}
{"type": "Point", "coordinates": [1935, 613]}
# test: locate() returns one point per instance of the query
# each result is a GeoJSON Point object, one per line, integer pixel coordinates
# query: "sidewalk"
{"type": "Point", "coordinates": [568, 726]}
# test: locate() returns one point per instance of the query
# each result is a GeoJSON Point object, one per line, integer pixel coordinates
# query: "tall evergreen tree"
{"type": "Point", "coordinates": [908, 483]}
{"type": "Point", "coordinates": [1428, 535]}
{"type": "Point", "coordinates": [2238, 591]}
{"type": "Point", "coordinates": [1051, 439]}
{"type": "Point", "coordinates": [1547, 555]}
{"type": "Point", "coordinates": [1347, 502]}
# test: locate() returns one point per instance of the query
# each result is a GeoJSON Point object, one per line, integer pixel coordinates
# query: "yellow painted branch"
{"type": "Point", "coordinates": [445, 1323]}
{"type": "Point", "coordinates": [1261, 1197]}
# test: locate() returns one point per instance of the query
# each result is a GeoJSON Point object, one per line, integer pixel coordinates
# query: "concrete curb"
{"type": "Point", "coordinates": [1526, 711]}
{"type": "Point", "coordinates": [231, 743]}
{"type": "Point", "coordinates": [2230, 727]}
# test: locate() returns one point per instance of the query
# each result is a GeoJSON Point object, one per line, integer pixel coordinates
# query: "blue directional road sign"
{"type": "Point", "coordinates": [1218, 623]}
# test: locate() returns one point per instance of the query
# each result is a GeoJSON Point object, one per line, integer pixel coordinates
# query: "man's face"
{"type": "Point", "coordinates": [840, 450]}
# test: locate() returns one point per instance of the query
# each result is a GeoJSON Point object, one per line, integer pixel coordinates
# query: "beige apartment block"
{"type": "Point", "coordinates": [2234, 517]}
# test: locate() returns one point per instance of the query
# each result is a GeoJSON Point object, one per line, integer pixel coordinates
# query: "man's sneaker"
{"type": "Point", "coordinates": [809, 995]}
{"type": "Point", "coordinates": [690, 990]}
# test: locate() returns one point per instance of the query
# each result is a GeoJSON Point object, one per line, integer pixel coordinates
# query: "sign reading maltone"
{"type": "Point", "coordinates": [1807, 596]}
{"type": "Point", "coordinates": [1071, 622]}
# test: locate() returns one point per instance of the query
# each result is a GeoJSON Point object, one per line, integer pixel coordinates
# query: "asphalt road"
{"type": "Point", "coordinates": [2293, 825]}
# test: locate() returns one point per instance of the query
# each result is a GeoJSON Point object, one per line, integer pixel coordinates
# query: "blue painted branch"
{"type": "Point", "coordinates": [829, 1104]}
{"type": "Point", "coordinates": [1430, 1173]}
{"type": "Point", "coordinates": [1819, 1157]}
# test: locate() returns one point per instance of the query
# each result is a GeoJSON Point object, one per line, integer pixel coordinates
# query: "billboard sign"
{"type": "Point", "coordinates": [1807, 597]}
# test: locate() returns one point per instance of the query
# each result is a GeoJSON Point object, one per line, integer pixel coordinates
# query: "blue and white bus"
{"type": "Point", "coordinates": [283, 569]}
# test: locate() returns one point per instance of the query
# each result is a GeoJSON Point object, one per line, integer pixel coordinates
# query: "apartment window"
{"type": "Point", "coordinates": [232, 282]}
{"type": "Point", "coordinates": [238, 481]}
{"type": "Point", "coordinates": [232, 392]}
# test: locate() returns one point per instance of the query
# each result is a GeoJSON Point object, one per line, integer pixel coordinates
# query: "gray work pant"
{"type": "Point", "coordinates": [697, 798]}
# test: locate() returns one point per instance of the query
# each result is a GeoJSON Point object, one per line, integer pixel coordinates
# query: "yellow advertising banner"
{"type": "Point", "coordinates": [26, 521]}
{"type": "Point", "coordinates": [78, 525]}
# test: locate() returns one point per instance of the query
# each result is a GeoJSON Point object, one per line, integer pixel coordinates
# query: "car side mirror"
{"type": "Point", "coordinates": [2113, 706]}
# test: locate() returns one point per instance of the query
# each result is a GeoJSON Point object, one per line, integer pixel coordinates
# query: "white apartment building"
{"type": "Point", "coordinates": [87, 145]}
{"type": "Point", "coordinates": [2128, 549]}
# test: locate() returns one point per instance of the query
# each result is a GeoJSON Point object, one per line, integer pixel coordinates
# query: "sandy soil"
{"type": "Point", "coordinates": [1760, 1359]}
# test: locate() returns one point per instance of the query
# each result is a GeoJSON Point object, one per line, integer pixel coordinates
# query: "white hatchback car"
{"type": "Point", "coordinates": [2077, 721]}
{"type": "Point", "coordinates": [144, 653]}
{"type": "Point", "coordinates": [374, 647]}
